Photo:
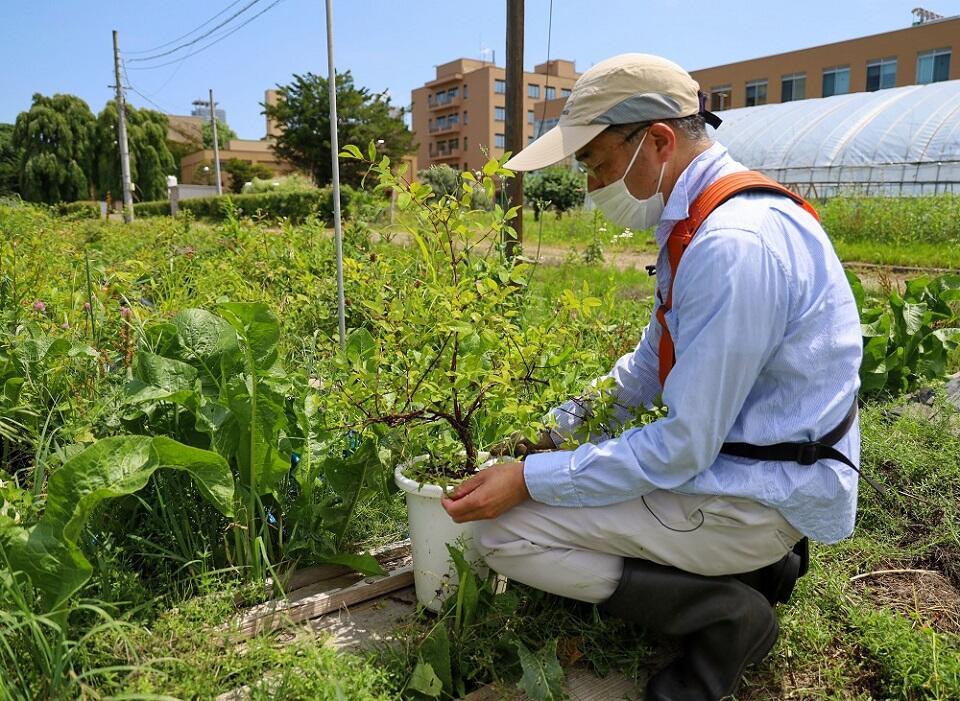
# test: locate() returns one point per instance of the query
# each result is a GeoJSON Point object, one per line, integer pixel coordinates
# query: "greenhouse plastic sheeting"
{"type": "Point", "coordinates": [901, 141]}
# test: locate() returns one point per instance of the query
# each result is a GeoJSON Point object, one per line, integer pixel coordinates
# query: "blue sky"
{"type": "Point", "coordinates": [51, 46]}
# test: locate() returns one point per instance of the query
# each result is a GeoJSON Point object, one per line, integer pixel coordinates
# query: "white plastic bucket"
{"type": "Point", "coordinates": [431, 530]}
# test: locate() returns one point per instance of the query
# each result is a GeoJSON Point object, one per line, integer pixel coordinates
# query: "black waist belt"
{"type": "Point", "coordinates": [803, 453]}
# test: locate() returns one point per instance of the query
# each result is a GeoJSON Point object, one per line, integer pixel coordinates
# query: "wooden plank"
{"type": "Point", "coordinates": [275, 614]}
{"type": "Point", "coordinates": [368, 624]}
{"type": "Point", "coordinates": [306, 576]}
{"type": "Point", "coordinates": [580, 683]}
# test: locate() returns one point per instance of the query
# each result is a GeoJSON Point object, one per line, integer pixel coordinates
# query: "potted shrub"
{"type": "Point", "coordinates": [442, 365]}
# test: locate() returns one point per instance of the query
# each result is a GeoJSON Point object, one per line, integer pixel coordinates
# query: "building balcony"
{"type": "Point", "coordinates": [449, 129]}
{"type": "Point", "coordinates": [438, 104]}
{"type": "Point", "coordinates": [449, 156]}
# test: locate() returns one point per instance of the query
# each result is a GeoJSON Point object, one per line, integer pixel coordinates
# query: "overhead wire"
{"type": "Point", "coordinates": [184, 36]}
{"type": "Point", "coordinates": [199, 38]}
{"type": "Point", "coordinates": [212, 43]}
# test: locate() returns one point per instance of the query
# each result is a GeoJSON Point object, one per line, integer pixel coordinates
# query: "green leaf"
{"type": "Point", "coordinates": [857, 288]}
{"type": "Point", "coordinates": [435, 652]}
{"type": "Point", "coordinates": [159, 378]}
{"type": "Point", "coordinates": [351, 478]}
{"type": "Point", "coordinates": [351, 151]}
{"type": "Point", "coordinates": [425, 681]}
{"type": "Point", "coordinates": [364, 563]}
{"type": "Point", "coordinates": [542, 678]}
{"type": "Point", "coordinates": [49, 553]}
{"type": "Point", "coordinates": [468, 590]}
{"type": "Point", "coordinates": [259, 328]}
{"type": "Point", "coordinates": [204, 338]}
{"type": "Point", "coordinates": [360, 345]}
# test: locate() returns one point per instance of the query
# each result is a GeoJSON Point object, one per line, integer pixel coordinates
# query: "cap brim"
{"type": "Point", "coordinates": [554, 146]}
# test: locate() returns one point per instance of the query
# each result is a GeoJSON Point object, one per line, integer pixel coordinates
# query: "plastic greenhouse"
{"type": "Point", "coordinates": [901, 141]}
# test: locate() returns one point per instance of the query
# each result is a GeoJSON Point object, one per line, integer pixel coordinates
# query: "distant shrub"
{"type": "Point", "coordinates": [78, 210]}
{"type": "Point", "coordinates": [294, 206]}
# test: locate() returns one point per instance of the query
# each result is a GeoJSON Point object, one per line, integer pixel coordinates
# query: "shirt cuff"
{"type": "Point", "coordinates": [549, 478]}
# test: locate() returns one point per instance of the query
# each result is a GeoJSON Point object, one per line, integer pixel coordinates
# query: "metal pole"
{"type": "Point", "coordinates": [216, 144]}
{"type": "Point", "coordinates": [335, 162]}
{"type": "Point", "coordinates": [516, 124]}
{"type": "Point", "coordinates": [124, 151]}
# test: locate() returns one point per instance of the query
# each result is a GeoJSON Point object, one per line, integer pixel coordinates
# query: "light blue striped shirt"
{"type": "Point", "coordinates": [768, 350]}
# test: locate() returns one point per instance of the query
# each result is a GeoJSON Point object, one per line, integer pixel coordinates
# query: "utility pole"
{"type": "Point", "coordinates": [516, 124]}
{"type": "Point", "coordinates": [124, 151]}
{"type": "Point", "coordinates": [216, 145]}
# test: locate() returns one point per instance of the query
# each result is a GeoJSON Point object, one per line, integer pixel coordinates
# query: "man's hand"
{"type": "Point", "coordinates": [487, 494]}
{"type": "Point", "coordinates": [518, 444]}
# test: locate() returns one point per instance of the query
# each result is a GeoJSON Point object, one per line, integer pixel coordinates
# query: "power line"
{"type": "Point", "coordinates": [184, 36]}
{"type": "Point", "coordinates": [199, 38]}
{"type": "Point", "coordinates": [538, 131]}
{"type": "Point", "coordinates": [212, 43]}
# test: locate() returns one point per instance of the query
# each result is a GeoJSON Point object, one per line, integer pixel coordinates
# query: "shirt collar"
{"type": "Point", "coordinates": [702, 171]}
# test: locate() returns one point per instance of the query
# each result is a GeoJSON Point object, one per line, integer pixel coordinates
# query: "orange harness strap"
{"type": "Point", "coordinates": [683, 232]}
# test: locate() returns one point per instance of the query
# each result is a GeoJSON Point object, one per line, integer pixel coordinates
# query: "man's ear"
{"type": "Point", "coordinates": [664, 139]}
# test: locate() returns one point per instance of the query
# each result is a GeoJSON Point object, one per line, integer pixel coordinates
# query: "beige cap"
{"type": "Point", "coordinates": [625, 89]}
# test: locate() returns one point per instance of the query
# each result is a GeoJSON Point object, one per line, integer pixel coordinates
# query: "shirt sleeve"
{"type": "Point", "coordinates": [730, 308]}
{"type": "Point", "coordinates": [636, 384]}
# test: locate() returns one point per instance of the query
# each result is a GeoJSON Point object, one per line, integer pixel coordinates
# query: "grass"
{"type": "Point", "coordinates": [876, 638]}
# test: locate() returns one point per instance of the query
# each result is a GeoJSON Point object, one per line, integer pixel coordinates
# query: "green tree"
{"type": "Point", "coordinates": [242, 172]}
{"type": "Point", "coordinates": [9, 177]}
{"type": "Point", "coordinates": [442, 179]}
{"type": "Point", "coordinates": [558, 188]}
{"type": "Point", "coordinates": [55, 142]}
{"type": "Point", "coordinates": [224, 134]}
{"type": "Point", "coordinates": [303, 114]}
{"type": "Point", "coordinates": [150, 158]}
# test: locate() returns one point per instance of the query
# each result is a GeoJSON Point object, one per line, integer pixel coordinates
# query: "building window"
{"type": "Point", "coordinates": [441, 148]}
{"type": "Point", "coordinates": [530, 117]}
{"type": "Point", "coordinates": [464, 148]}
{"type": "Point", "coordinates": [500, 86]}
{"type": "Point", "coordinates": [564, 92]}
{"type": "Point", "coordinates": [431, 150]}
{"type": "Point", "coordinates": [793, 87]}
{"type": "Point", "coordinates": [550, 92]}
{"type": "Point", "coordinates": [836, 81]}
{"type": "Point", "coordinates": [756, 92]}
{"type": "Point", "coordinates": [452, 93]}
{"type": "Point", "coordinates": [441, 123]}
{"type": "Point", "coordinates": [464, 116]}
{"type": "Point", "coordinates": [881, 74]}
{"type": "Point", "coordinates": [933, 66]}
{"type": "Point", "coordinates": [453, 145]}
{"type": "Point", "coordinates": [499, 114]}
{"type": "Point", "coordinates": [720, 98]}
{"type": "Point", "coordinates": [499, 141]}
{"type": "Point", "coordinates": [464, 92]}
{"type": "Point", "coordinates": [533, 90]}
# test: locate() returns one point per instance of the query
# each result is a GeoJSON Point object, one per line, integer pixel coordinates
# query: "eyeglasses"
{"type": "Point", "coordinates": [591, 171]}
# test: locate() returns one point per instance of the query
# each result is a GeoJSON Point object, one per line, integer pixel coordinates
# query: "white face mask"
{"type": "Point", "coordinates": [622, 208]}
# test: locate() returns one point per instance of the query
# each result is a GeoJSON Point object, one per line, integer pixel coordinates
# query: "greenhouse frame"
{"type": "Point", "coordinates": [896, 142]}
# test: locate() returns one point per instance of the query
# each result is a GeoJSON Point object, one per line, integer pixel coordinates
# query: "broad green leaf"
{"type": "Point", "coordinates": [468, 590]}
{"type": "Point", "coordinates": [37, 350]}
{"type": "Point", "coordinates": [542, 678]}
{"type": "Point", "coordinates": [425, 681]}
{"type": "Point", "coordinates": [350, 477]}
{"type": "Point", "coordinates": [360, 345]}
{"type": "Point", "coordinates": [351, 151]}
{"type": "Point", "coordinates": [364, 563]}
{"type": "Point", "coordinates": [435, 651]}
{"type": "Point", "coordinates": [159, 378]}
{"type": "Point", "coordinates": [112, 467]}
{"type": "Point", "coordinates": [204, 338]}
{"type": "Point", "coordinates": [259, 328]}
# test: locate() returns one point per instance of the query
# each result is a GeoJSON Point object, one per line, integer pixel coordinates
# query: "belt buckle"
{"type": "Point", "coordinates": [808, 453]}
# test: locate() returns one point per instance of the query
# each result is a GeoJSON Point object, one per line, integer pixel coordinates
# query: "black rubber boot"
{"type": "Point", "coordinates": [722, 624]}
{"type": "Point", "coordinates": [776, 581]}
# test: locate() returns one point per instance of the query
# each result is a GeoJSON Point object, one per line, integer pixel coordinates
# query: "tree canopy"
{"type": "Point", "coordinates": [55, 144]}
{"type": "Point", "coordinates": [150, 158]}
{"type": "Point", "coordinates": [9, 176]}
{"type": "Point", "coordinates": [558, 188]}
{"type": "Point", "coordinates": [303, 114]}
{"type": "Point", "coordinates": [224, 134]}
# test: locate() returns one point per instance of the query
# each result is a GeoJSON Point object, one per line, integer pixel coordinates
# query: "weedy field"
{"type": "Point", "coordinates": [175, 428]}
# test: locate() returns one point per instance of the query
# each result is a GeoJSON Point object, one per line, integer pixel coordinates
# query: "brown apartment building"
{"type": "Point", "coordinates": [462, 111]}
{"type": "Point", "coordinates": [919, 54]}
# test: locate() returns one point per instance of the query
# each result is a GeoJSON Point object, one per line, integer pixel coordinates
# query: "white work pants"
{"type": "Point", "coordinates": [578, 552]}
